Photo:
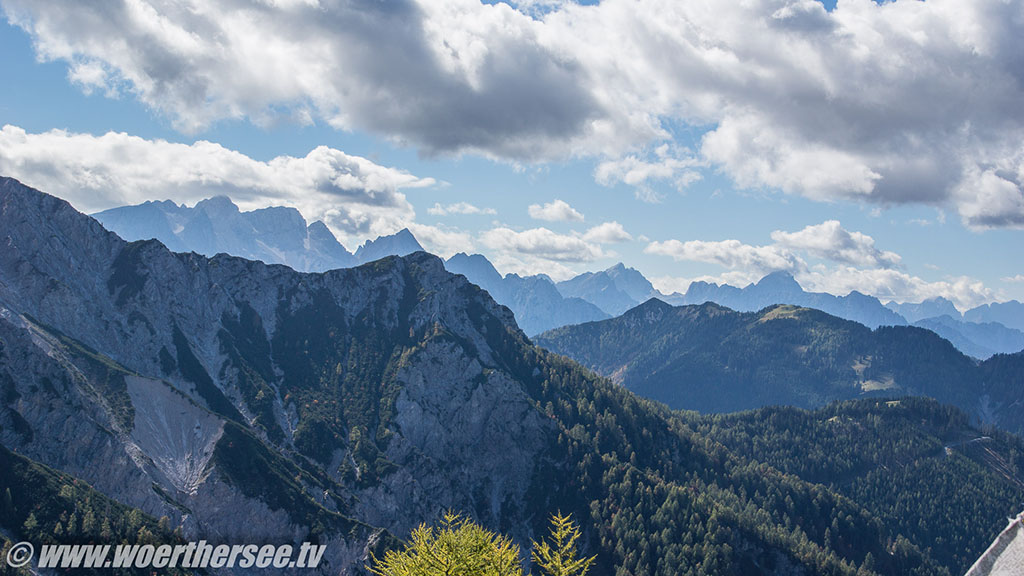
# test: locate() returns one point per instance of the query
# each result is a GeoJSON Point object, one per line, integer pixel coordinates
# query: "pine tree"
{"type": "Point", "coordinates": [30, 525]}
{"type": "Point", "coordinates": [106, 533]}
{"type": "Point", "coordinates": [457, 547]}
{"type": "Point", "coordinates": [558, 557]}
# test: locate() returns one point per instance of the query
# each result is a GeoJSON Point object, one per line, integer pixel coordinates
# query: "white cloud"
{"type": "Point", "coordinates": [556, 211]}
{"type": "Point", "coordinates": [608, 232]}
{"type": "Point", "coordinates": [828, 105]}
{"type": "Point", "coordinates": [884, 284]}
{"type": "Point", "coordinates": [526, 265]}
{"type": "Point", "coordinates": [993, 198]}
{"type": "Point", "coordinates": [829, 240]}
{"type": "Point", "coordinates": [664, 164]}
{"type": "Point", "coordinates": [887, 285]}
{"type": "Point", "coordinates": [542, 243]}
{"type": "Point", "coordinates": [731, 254]}
{"type": "Point", "coordinates": [458, 208]}
{"type": "Point", "coordinates": [444, 242]}
{"type": "Point", "coordinates": [352, 195]}
{"type": "Point", "coordinates": [852, 262]}
{"type": "Point", "coordinates": [447, 76]}
{"type": "Point", "coordinates": [1018, 279]}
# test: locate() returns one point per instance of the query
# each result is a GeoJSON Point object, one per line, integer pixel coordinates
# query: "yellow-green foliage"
{"type": "Point", "coordinates": [557, 557]}
{"type": "Point", "coordinates": [459, 547]}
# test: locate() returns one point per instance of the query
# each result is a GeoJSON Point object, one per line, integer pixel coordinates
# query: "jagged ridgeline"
{"type": "Point", "coordinates": [250, 402]}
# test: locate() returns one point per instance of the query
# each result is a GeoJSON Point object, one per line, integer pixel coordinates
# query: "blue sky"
{"type": "Point", "coordinates": [827, 158]}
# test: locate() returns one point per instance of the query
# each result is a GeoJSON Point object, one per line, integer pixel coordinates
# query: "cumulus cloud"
{"type": "Point", "coordinates": [446, 76]}
{"type": "Point", "coordinates": [731, 254]}
{"type": "Point", "coordinates": [542, 243]}
{"type": "Point", "coordinates": [826, 241]}
{"type": "Point", "coordinates": [354, 196]}
{"type": "Point", "coordinates": [608, 233]}
{"type": "Point", "coordinates": [458, 208]}
{"type": "Point", "coordinates": [556, 211]}
{"type": "Point", "coordinates": [1018, 279]}
{"type": "Point", "coordinates": [886, 285]}
{"type": "Point", "coordinates": [444, 242]}
{"type": "Point", "coordinates": [873, 102]}
{"type": "Point", "coordinates": [829, 240]}
{"type": "Point", "coordinates": [849, 261]}
{"type": "Point", "coordinates": [664, 164]}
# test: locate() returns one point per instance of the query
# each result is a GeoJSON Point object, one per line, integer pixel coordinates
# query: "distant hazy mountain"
{"type": "Point", "coordinates": [614, 290]}
{"type": "Point", "coordinates": [976, 339]}
{"type": "Point", "coordinates": [931, 308]}
{"type": "Point", "coordinates": [536, 303]}
{"type": "Point", "coordinates": [1010, 314]}
{"type": "Point", "coordinates": [782, 288]}
{"type": "Point", "coordinates": [402, 243]}
{"type": "Point", "coordinates": [276, 235]}
{"type": "Point", "coordinates": [713, 359]}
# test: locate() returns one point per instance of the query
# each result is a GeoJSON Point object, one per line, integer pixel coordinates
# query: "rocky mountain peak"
{"type": "Point", "coordinates": [400, 243]}
{"type": "Point", "coordinates": [780, 281]}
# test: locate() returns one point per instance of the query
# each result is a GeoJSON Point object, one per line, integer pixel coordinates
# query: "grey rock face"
{"type": "Point", "coordinates": [123, 363]}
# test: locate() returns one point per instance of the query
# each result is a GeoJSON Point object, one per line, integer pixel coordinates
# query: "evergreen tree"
{"type": "Point", "coordinates": [558, 557]}
{"type": "Point", "coordinates": [458, 547]}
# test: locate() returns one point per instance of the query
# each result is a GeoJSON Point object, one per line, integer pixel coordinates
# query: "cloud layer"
{"type": "Point", "coordinates": [823, 257]}
{"type": "Point", "coordinates": [354, 196]}
{"type": "Point", "coordinates": [891, 103]}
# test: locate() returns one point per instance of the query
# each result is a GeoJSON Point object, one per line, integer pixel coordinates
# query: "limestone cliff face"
{"type": "Point", "coordinates": [123, 362]}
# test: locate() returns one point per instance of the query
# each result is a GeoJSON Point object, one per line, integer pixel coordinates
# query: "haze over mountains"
{"type": "Point", "coordinates": [713, 359]}
{"type": "Point", "coordinates": [275, 235]}
{"type": "Point", "coordinates": [537, 303]}
{"type": "Point", "coordinates": [281, 236]}
{"type": "Point", "coordinates": [245, 401]}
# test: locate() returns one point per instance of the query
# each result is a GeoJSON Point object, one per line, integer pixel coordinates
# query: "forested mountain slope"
{"type": "Point", "coordinates": [713, 359]}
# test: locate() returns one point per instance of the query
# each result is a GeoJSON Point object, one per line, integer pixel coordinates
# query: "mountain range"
{"type": "Point", "coordinates": [237, 401]}
{"type": "Point", "coordinates": [536, 302]}
{"type": "Point", "coordinates": [614, 290]}
{"type": "Point", "coordinates": [280, 235]}
{"type": "Point", "coordinates": [275, 235]}
{"type": "Point", "coordinates": [782, 288]}
{"type": "Point", "coordinates": [712, 359]}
